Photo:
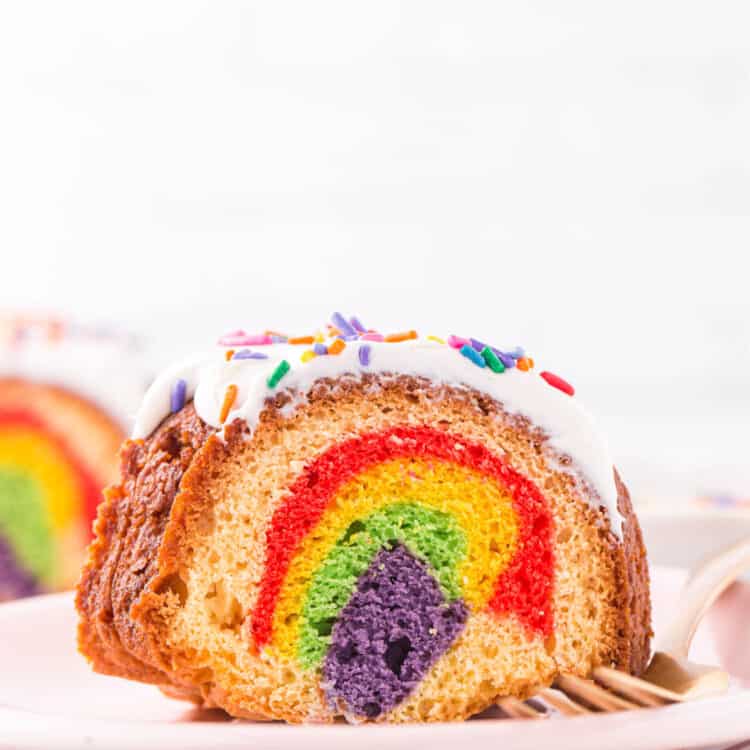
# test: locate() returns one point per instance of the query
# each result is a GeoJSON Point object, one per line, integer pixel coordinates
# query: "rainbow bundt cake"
{"type": "Point", "coordinates": [58, 449]}
{"type": "Point", "coordinates": [381, 527]}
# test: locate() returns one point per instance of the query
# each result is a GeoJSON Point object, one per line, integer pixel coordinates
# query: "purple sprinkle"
{"type": "Point", "coordinates": [354, 320]}
{"type": "Point", "coordinates": [177, 397]}
{"type": "Point", "coordinates": [279, 339]}
{"type": "Point", "coordinates": [517, 353]}
{"type": "Point", "coordinates": [354, 337]}
{"type": "Point", "coordinates": [477, 345]}
{"type": "Point", "coordinates": [340, 322]}
{"type": "Point", "coordinates": [248, 354]}
{"type": "Point", "coordinates": [506, 359]}
{"type": "Point", "coordinates": [320, 349]}
{"type": "Point", "coordinates": [364, 355]}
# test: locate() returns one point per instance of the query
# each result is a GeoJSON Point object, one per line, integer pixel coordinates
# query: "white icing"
{"type": "Point", "coordinates": [568, 426]}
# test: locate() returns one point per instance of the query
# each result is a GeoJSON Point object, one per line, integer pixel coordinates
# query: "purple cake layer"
{"type": "Point", "coordinates": [394, 627]}
{"type": "Point", "coordinates": [15, 582]}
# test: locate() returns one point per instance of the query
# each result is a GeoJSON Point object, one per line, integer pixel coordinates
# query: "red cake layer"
{"type": "Point", "coordinates": [524, 588]}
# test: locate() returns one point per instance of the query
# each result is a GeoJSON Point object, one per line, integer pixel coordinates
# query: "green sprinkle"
{"type": "Point", "coordinates": [281, 370]}
{"type": "Point", "coordinates": [492, 361]}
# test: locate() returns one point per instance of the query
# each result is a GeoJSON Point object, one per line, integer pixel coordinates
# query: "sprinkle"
{"type": "Point", "coordinates": [337, 347]}
{"type": "Point", "coordinates": [249, 354]}
{"type": "Point", "coordinates": [492, 360]}
{"type": "Point", "coordinates": [320, 349]}
{"type": "Point", "coordinates": [275, 333]}
{"type": "Point", "coordinates": [301, 340]}
{"type": "Point", "coordinates": [356, 325]}
{"type": "Point", "coordinates": [228, 354]}
{"type": "Point", "coordinates": [457, 342]}
{"type": "Point", "coordinates": [393, 338]}
{"type": "Point", "coordinates": [281, 370]}
{"type": "Point", "coordinates": [308, 355]}
{"type": "Point", "coordinates": [523, 364]}
{"type": "Point", "coordinates": [353, 337]}
{"type": "Point", "coordinates": [364, 354]}
{"type": "Point", "coordinates": [517, 352]}
{"type": "Point", "coordinates": [332, 331]}
{"type": "Point", "coordinates": [177, 396]}
{"type": "Point", "coordinates": [229, 398]}
{"type": "Point", "coordinates": [341, 323]}
{"type": "Point", "coordinates": [472, 354]}
{"type": "Point", "coordinates": [319, 337]}
{"type": "Point", "coordinates": [506, 359]}
{"type": "Point", "coordinates": [477, 345]}
{"type": "Point", "coordinates": [557, 382]}
{"type": "Point", "coordinates": [370, 336]}
{"type": "Point", "coordinates": [279, 339]}
{"type": "Point", "coordinates": [436, 338]}
{"type": "Point", "coordinates": [243, 339]}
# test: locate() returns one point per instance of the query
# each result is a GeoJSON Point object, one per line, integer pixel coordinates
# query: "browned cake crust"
{"type": "Point", "coordinates": [145, 528]}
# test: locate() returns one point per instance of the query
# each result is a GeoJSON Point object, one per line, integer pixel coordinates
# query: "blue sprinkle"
{"type": "Point", "coordinates": [249, 354]}
{"type": "Point", "coordinates": [506, 359]}
{"type": "Point", "coordinates": [177, 396]}
{"type": "Point", "coordinates": [477, 345]}
{"type": "Point", "coordinates": [320, 348]}
{"type": "Point", "coordinates": [340, 322]}
{"type": "Point", "coordinates": [364, 355]}
{"type": "Point", "coordinates": [473, 355]}
{"type": "Point", "coordinates": [354, 320]}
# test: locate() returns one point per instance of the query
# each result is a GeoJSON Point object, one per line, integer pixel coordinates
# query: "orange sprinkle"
{"type": "Point", "coordinates": [333, 331]}
{"type": "Point", "coordinates": [229, 398]}
{"type": "Point", "coordinates": [337, 347]}
{"type": "Point", "coordinates": [403, 336]}
{"type": "Point", "coordinates": [307, 355]}
{"type": "Point", "coordinates": [524, 364]}
{"type": "Point", "coordinates": [229, 354]}
{"type": "Point", "coordinates": [301, 340]}
{"type": "Point", "coordinates": [531, 362]}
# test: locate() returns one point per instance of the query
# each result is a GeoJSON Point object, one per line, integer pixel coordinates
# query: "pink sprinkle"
{"type": "Point", "coordinates": [372, 337]}
{"type": "Point", "coordinates": [457, 342]}
{"type": "Point", "coordinates": [245, 339]}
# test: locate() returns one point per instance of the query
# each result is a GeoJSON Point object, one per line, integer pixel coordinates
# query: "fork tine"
{"type": "Point", "coordinates": [517, 709]}
{"type": "Point", "coordinates": [563, 703]}
{"type": "Point", "coordinates": [632, 687]}
{"type": "Point", "coordinates": [591, 693]}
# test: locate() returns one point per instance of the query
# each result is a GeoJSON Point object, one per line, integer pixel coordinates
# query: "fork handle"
{"type": "Point", "coordinates": [703, 587]}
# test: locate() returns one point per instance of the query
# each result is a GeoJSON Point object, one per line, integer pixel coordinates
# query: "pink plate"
{"type": "Point", "coordinates": [50, 699]}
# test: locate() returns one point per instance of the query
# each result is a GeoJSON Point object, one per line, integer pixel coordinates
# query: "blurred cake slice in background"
{"type": "Point", "coordinates": [66, 392]}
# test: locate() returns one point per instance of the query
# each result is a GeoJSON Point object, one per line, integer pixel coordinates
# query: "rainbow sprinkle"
{"type": "Point", "coordinates": [177, 396]}
{"type": "Point", "coordinates": [282, 369]}
{"type": "Point", "coordinates": [229, 398]}
{"type": "Point", "coordinates": [364, 354]}
{"type": "Point", "coordinates": [470, 353]}
{"type": "Point", "coordinates": [249, 354]}
{"type": "Point", "coordinates": [341, 330]}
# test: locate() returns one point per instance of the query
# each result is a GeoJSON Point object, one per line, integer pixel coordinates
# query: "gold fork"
{"type": "Point", "coordinates": [670, 677]}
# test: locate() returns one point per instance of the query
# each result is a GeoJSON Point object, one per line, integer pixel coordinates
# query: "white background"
{"type": "Point", "coordinates": [574, 177]}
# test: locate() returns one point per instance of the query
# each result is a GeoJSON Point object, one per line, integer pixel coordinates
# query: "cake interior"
{"type": "Point", "coordinates": [432, 653]}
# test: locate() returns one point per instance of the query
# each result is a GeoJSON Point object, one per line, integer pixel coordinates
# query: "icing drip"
{"type": "Point", "coordinates": [569, 428]}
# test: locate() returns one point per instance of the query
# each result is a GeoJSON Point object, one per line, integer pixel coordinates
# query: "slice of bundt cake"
{"type": "Point", "coordinates": [58, 449]}
{"type": "Point", "coordinates": [384, 527]}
